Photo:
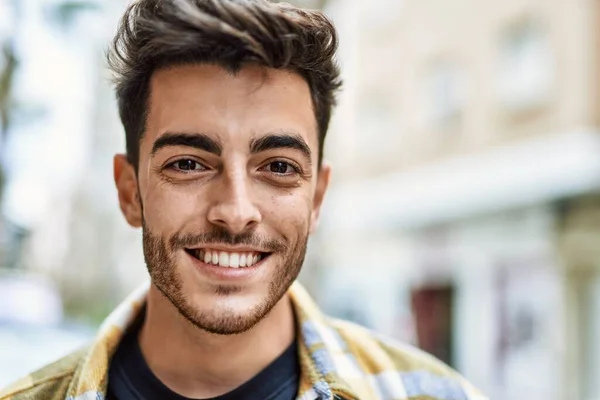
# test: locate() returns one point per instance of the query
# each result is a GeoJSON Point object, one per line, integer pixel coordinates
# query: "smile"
{"type": "Point", "coordinates": [227, 259]}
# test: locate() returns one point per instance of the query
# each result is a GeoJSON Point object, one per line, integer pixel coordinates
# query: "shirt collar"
{"type": "Point", "coordinates": [317, 344]}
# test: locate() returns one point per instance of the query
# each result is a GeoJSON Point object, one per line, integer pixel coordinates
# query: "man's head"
{"type": "Point", "coordinates": [225, 105]}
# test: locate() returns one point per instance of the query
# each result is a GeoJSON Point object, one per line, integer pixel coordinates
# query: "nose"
{"type": "Point", "coordinates": [233, 207]}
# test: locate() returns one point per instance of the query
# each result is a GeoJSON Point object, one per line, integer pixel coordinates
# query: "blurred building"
{"type": "Point", "coordinates": [465, 214]}
{"type": "Point", "coordinates": [60, 214]}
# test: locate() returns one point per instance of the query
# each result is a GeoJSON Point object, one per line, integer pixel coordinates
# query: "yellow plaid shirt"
{"type": "Point", "coordinates": [339, 360]}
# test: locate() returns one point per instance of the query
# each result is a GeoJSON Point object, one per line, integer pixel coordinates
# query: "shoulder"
{"type": "Point", "coordinates": [49, 383]}
{"type": "Point", "coordinates": [395, 364]}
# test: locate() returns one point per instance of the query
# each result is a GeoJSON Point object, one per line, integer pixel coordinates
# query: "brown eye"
{"type": "Point", "coordinates": [187, 165]}
{"type": "Point", "coordinates": [281, 168]}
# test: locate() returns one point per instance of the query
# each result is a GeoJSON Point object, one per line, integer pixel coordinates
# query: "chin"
{"type": "Point", "coordinates": [231, 298]}
{"type": "Point", "coordinates": [226, 311]}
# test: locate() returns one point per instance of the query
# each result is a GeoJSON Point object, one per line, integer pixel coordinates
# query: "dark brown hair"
{"type": "Point", "coordinates": [156, 34]}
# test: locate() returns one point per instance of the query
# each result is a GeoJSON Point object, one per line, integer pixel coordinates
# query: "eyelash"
{"type": "Point", "coordinates": [296, 169]}
{"type": "Point", "coordinates": [172, 165]}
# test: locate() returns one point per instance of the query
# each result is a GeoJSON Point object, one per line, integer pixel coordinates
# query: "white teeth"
{"type": "Point", "coordinates": [228, 260]}
{"type": "Point", "coordinates": [223, 259]}
{"type": "Point", "coordinates": [234, 260]}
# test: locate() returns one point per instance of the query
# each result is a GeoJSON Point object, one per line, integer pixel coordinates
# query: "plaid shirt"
{"type": "Point", "coordinates": [339, 360]}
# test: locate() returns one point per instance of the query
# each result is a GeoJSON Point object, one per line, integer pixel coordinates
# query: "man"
{"type": "Point", "coordinates": [225, 106]}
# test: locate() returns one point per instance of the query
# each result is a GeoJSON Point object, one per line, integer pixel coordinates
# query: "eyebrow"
{"type": "Point", "coordinates": [281, 141]}
{"type": "Point", "coordinates": [196, 140]}
{"type": "Point", "coordinates": [204, 142]}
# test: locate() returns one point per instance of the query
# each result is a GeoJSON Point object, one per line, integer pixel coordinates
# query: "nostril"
{"type": "Point", "coordinates": [234, 216]}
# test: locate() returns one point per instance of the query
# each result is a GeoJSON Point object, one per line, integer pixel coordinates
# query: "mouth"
{"type": "Point", "coordinates": [228, 259]}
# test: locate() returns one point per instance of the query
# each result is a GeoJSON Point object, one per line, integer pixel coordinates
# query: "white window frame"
{"type": "Point", "coordinates": [526, 66]}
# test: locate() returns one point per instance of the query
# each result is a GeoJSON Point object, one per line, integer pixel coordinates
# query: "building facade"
{"type": "Point", "coordinates": [467, 178]}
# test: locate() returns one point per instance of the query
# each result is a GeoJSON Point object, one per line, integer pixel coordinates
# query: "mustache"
{"type": "Point", "coordinates": [218, 235]}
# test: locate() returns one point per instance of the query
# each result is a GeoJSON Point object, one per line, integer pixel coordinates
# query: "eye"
{"type": "Point", "coordinates": [186, 165]}
{"type": "Point", "coordinates": [282, 168]}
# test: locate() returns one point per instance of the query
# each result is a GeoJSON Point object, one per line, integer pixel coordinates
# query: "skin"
{"type": "Point", "coordinates": [244, 174]}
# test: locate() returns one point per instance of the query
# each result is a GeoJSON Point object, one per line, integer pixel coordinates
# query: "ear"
{"type": "Point", "coordinates": [323, 177]}
{"type": "Point", "coordinates": [127, 188]}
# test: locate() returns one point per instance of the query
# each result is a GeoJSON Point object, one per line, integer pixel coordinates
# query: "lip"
{"type": "Point", "coordinates": [225, 273]}
{"type": "Point", "coordinates": [229, 249]}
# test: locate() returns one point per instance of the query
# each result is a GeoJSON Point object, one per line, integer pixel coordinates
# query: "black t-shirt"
{"type": "Point", "coordinates": [130, 378]}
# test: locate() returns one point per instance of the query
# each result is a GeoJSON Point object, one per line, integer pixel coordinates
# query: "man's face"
{"type": "Point", "coordinates": [229, 190]}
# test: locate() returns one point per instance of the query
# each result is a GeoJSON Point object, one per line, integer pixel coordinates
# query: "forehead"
{"type": "Point", "coordinates": [214, 101]}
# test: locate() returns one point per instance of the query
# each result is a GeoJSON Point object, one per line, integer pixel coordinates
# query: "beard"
{"type": "Point", "coordinates": [160, 256]}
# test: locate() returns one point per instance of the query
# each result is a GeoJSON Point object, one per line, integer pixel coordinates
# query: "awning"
{"type": "Point", "coordinates": [520, 174]}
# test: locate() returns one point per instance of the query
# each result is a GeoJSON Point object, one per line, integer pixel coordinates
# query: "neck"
{"type": "Point", "coordinates": [199, 364]}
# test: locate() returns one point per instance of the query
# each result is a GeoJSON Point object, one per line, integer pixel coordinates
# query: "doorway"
{"type": "Point", "coordinates": [433, 313]}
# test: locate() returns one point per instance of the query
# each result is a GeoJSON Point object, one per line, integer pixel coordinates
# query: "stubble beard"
{"type": "Point", "coordinates": [159, 255]}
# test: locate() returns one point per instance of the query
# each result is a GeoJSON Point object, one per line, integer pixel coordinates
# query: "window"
{"type": "Point", "coordinates": [444, 94]}
{"type": "Point", "coordinates": [527, 66]}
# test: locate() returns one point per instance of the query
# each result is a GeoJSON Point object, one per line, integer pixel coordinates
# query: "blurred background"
{"type": "Point", "coordinates": [466, 154]}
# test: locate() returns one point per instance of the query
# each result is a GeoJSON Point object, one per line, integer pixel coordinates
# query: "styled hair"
{"type": "Point", "coordinates": [155, 34]}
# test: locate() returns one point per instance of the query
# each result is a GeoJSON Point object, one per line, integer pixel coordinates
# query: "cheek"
{"type": "Point", "coordinates": [171, 208]}
{"type": "Point", "coordinates": [288, 210]}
